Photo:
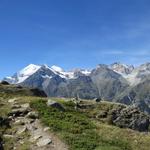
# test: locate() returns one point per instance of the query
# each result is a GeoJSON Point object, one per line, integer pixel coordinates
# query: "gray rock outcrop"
{"type": "Point", "coordinates": [55, 104]}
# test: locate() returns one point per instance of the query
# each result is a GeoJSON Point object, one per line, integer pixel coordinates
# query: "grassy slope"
{"type": "Point", "coordinates": [79, 129]}
{"type": "Point", "coordinates": [83, 133]}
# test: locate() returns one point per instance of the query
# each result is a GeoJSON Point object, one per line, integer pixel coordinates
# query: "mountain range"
{"type": "Point", "coordinates": [116, 82]}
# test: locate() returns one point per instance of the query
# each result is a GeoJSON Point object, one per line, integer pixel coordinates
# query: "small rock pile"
{"type": "Point", "coordinates": [27, 121]}
{"type": "Point", "coordinates": [126, 117]}
{"type": "Point", "coordinates": [55, 104]}
{"type": "Point", "coordinates": [131, 117]}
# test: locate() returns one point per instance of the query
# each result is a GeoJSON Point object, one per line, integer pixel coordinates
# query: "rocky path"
{"type": "Point", "coordinates": [27, 130]}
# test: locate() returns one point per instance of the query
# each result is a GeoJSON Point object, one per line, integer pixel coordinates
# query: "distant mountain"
{"type": "Point", "coordinates": [139, 74]}
{"type": "Point", "coordinates": [55, 81]}
{"type": "Point", "coordinates": [23, 74]}
{"type": "Point", "coordinates": [108, 82]}
{"type": "Point", "coordinates": [116, 82]}
{"type": "Point", "coordinates": [138, 95]}
{"type": "Point", "coordinates": [122, 68]}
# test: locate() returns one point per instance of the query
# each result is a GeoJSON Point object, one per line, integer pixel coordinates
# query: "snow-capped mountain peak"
{"type": "Point", "coordinates": [131, 74]}
{"type": "Point", "coordinates": [29, 70]}
{"type": "Point", "coordinates": [23, 74]}
{"type": "Point", "coordinates": [57, 69]}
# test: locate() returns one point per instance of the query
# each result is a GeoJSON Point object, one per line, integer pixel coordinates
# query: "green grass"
{"type": "Point", "coordinates": [79, 129]}
{"type": "Point", "coordinates": [76, 129]}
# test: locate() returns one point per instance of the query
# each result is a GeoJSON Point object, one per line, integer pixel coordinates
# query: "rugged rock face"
{"type": "Point", "coordinates": [131, 117]}
{"type": "Point", "coordinates": [54, 86]}
{"type": "Point", "coordinates": [55, 104]}
{"type": "Point", "coordinates": [108, 82]}
{"type": "Point", "coordinates": [126, 117]}
{"type": "Point", "coordinates": [122, 68]}
{"type": "Point", "coordinates": [44, 79]}
{"type": "Point", "coordinates": [44, 74]}
{"type": "Point", "coordinates": [82, 87]}
{"type": "Point", "coordinates": [138, 95]}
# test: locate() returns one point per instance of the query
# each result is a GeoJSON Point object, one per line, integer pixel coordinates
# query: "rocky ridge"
{"type": "Point", "coordinates": [27, 129]}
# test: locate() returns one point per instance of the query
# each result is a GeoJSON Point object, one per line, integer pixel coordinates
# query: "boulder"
{"type": "Point", "coordinates": [46, 129]}
{"type": "Point", "coordinates": [102, 114]}
{"type": "Point", "coordinates": [19, 122]}
{"type": "Point", "coordinates": [97, 99]}
{"type": "Point", "coordinates": [22, 130]}
{"type": "Point", "coordinates": [125, 117]}
{"type": "Point", "coordinates": [32, 115]}
{"type": "Point", "coordinates": [26, 105]}
{"type": "Point", "coordinates": [21, 142]}
{"type": "Point", "coordinates": [31, 127]}
{"type": "Point", "coordinates": [12, 100]}
{"type": "Point", "coordinates": [35, 138]}
{"type": "Point", "coordinates": [19, 112]}
{"type": "Point", "coordinates": [132, 118]}
{"type": "Point", "coordinates": [15, 106]}
{"type": "Point", "coordinates": [44, 142]}
{"type": "Point", "coordinates": [55, 104]}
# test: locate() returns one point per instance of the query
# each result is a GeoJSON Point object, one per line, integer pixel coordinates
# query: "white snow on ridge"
{"type": "Point", "coordinates": [86, 72]}
{"type": "Point", "coordinates": [26, 72]}
{"type": "Point", "coordinates": [131, 74]}
{"type": "Point", "coordinates": [63, 74]}
{"type": "Point", "coordinates": [59, 71]}
{"type": "Point", "coordinates": [29, 70]}
{"type": "Point", "coordinates": [56, 68]}
{"type": "Point", "coordinates": [67, 74]}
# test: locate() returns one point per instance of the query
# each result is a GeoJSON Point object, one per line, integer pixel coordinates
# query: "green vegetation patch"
{"type": "Point", "coordinates": [75, 128]}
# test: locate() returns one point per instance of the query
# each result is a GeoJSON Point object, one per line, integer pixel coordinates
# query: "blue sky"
{"type": "Point", "coordinates": [73, 33]}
